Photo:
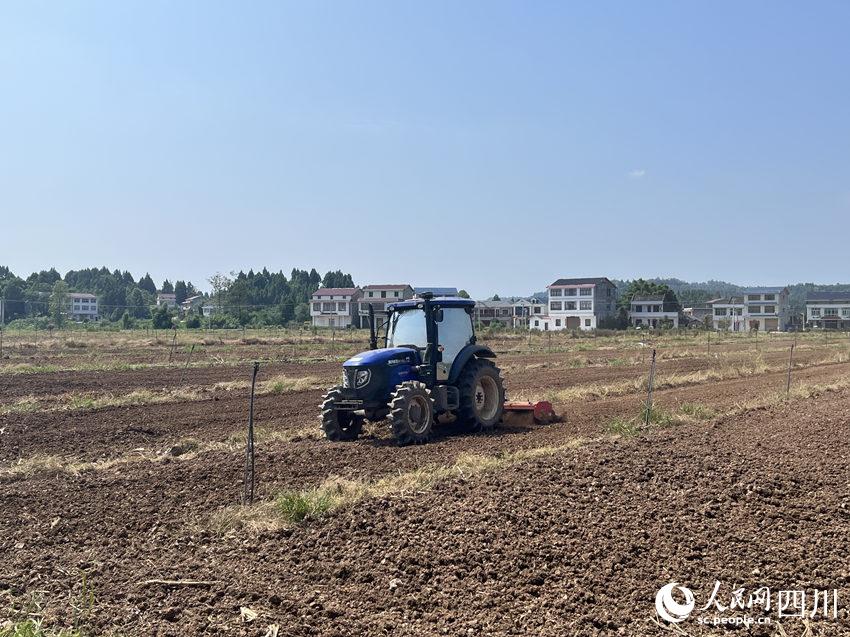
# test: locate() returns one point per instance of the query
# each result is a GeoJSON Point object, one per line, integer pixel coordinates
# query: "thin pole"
{"type": "Point", "coordinates": [649, 389]}
{"type": "Point", "coordinates": [186, 366]}
{"type": "Point", "coordinates": [173, 345]}
{"type": "Point", "coordinates": [790, 363]}
{"type": "Point", "coordinates": [248, 486]}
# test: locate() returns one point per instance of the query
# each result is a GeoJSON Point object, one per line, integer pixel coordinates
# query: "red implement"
{"type": "Point", "coordinates": [541, 412]}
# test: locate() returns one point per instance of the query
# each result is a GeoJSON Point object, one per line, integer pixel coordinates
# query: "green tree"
{"type": "Point", "coordinates": [220, 284]}
{"type": "Point", "coordinates": [146, 283]}
{"type": "Point", "coordinates": [463, 294]}
{"type": "Point", "coordinates": [137, 305]}
{"type": "Point", "coordinates": [496, 297]}
{"type": "Point", "coordinates": [59, 303]}
{"type": "Point", "coordinates": [126, 320]}
{"type": "Point", "coordinates": [302, 313]}
{"type": "Point", "coordinates": [162, 318]}
{"type": "Point", "coordinates": [181, 292]}
{"type": "Point", "coordinates": [641, 287]}
{"type": "Point", "coordinates": [167, 288]}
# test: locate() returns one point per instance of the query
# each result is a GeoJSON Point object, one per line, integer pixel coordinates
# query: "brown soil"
{"type": "Point", "coordinates": [575, 543]}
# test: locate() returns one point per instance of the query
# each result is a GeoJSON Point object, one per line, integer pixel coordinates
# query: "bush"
{"type": "Point", "coordinates": [193, 322]}
{"type": "Point", "coordinates": [162, 318]}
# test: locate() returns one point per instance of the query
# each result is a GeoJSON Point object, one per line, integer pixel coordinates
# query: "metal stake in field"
{"type": "Point", "coordinates": [173, 345]}
{"type": "Point", "coordinates": [649, 390]}
{"type": "Point", "coordinates": [790, 364]}
{"type": "Point", "coordinates": [550, 342]}
{"type": "Point", "coordinates": [709, 343]}
{"type": "Point", "coordinates": [186, 366]}
{"type": "Point", "coordinates": [248, 482]}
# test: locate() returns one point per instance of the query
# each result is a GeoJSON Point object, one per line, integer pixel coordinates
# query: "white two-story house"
{"type": "Point", "coordinates": [579, 304]}
{"type": "Point", "coordinates": [828, 310]}
{"type": "Point", "coordinates": [82, 307]}
{"type": "Point", "coordinates": [761, 309]}
{"type": "Point", "coordinates": [651, 310]}
{"type": "Point", "coordinates": [334, 307]}
{"type": "Point", "coordinates": [378, 296]}
{"type": "Point", "coordinates": [727, 313]}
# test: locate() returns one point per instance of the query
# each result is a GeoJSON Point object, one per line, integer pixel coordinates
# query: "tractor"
{"type": "Point", "coordinates": [429, 367]}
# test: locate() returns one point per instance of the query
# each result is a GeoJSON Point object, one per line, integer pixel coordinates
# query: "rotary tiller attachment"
{"type": "Point", "coordinates": [528, 413]}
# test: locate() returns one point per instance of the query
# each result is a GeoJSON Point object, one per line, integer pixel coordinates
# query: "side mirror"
{"type": "Point", "coordinates": [438, 315]}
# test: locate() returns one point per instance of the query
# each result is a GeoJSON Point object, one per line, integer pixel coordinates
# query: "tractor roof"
{"type": "Point", "coordinates": [442, 301]}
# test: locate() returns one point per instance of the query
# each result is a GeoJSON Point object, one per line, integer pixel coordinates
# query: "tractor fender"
{"type": "Point", "coordinates": [464, 356]}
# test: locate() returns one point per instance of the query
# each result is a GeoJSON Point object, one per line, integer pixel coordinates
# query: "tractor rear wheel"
{"type": "Point", "coordinates": [412, 412]}
{"type": "Point", "coordinates": [482, 395]}
{"type": "Point", "coordinates": [339, 424]}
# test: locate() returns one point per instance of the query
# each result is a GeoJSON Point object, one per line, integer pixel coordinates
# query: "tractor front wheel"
{"type": "Point", "coordinates": [482, 395]}
{"type": "Point", "coordinates": [339, 424]}
{"type": "Point", "coordinates": [412, 412]}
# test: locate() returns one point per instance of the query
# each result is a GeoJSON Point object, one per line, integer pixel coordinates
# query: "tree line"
{"type": "Point", "coordinates": [252, 298]}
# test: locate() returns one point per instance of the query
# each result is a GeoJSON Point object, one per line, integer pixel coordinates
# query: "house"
{"type": "Point", "coordinates": [82, 307]}
{"type": "Point", "coordinates": [193, 304]}
{"type": "Point", "coordinates": [515, 313]}
{"type": "Point", "coordinates": [653, 310]}
{"type": "Point", "coordinates": [581, 303]}
{"type": "Point", "coordinates": [828, 310]}
{"type": "Point", "coordinates": [540, 322]}
{"type": "Point", "coordinates": [762, 309]}
{"type": "Point", "coordinates": [334, 307]}
{"type": "Point", "coordinates": [698, 313]}
{"type": "Point", "coordinates": [727, 313]}
{"type": "Point", "coordinates": [525, 309]}
{"type": "Point", "coordinates": [378, 296]}
{"type": "Point", "coordinates": [418, 292]}
{"type": "Point", "coordinates": [488, 312]}
{"type": "Point", "coordinates": [164, 298]}
{"type": "Point", "coordinates": [767, 308]}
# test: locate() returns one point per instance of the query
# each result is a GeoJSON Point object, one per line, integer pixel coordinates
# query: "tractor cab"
{"type": "Point", "coordinates": [429, 365]}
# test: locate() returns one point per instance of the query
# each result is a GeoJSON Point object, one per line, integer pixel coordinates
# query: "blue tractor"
{"type": "Point", "coordinates": [430, 366]}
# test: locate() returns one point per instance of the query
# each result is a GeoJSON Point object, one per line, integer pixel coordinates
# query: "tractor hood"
{"type": "Point", "coordinates": [382, 357]}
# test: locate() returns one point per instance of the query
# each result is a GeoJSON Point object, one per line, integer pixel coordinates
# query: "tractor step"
{"type": "Point", "coordinates": [540, 412]}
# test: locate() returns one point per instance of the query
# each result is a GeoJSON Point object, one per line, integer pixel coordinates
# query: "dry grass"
{"type": "Point", "coordinates": [335, 493]}
{"type": "Point", "coordinates": [276, 385]}
{"type": "Point", "coordinates": [87, 401]}
{"type": "Point", "coordinates": [662, 381]}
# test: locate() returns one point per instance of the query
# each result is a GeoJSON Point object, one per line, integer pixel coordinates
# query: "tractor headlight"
{"type": "Point", "coordinates": [362, 378]}
{"type": "Point", "coordinates": [346, 381]}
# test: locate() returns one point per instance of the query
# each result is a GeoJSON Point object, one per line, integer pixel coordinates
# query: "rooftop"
{"type": "Point", "coordinates": [585, 281]}
{"type": "Point", "coordinates": [335, 291]}
{"type": "Point", "coordinates": [648, 298]}
{"type": "Point", "coordinates": [82, 295]}
{"type": "Point", "coordinates": [766, 290]}
{"type": "Point", "coordinates": [827, 296]}
{"type": "Point", "coordinates": [726, 300]}
{"type": "Point", "coordinates": [389, 286]}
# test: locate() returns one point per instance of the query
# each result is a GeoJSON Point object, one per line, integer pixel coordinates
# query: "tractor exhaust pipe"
{"type": "Point", "coordinates": [373, 337]}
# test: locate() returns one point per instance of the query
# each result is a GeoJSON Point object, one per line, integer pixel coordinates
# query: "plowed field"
{"type": "Point", "coordinates": [119, 492]}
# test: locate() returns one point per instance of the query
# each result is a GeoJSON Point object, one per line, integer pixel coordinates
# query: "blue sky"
{"type": "Point", "coordinates": [494, 146]}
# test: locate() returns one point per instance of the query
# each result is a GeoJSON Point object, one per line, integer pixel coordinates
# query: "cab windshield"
{"type": "Point", "coordinates": [407, 328]}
